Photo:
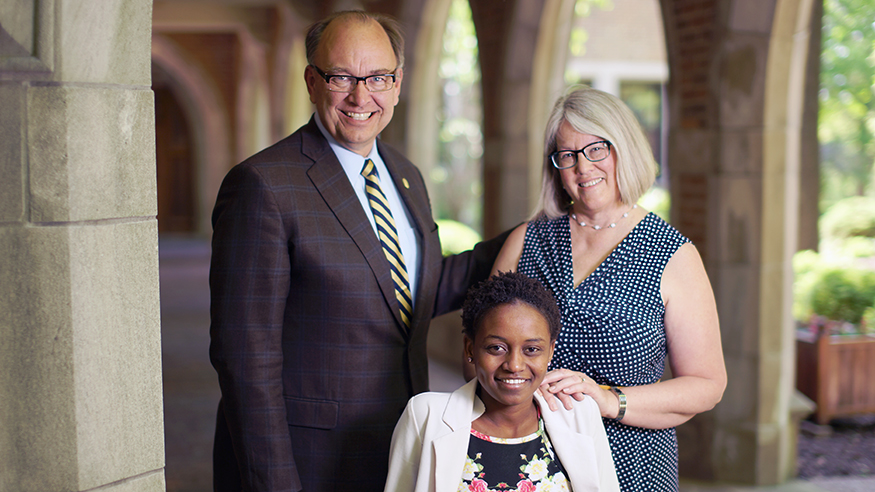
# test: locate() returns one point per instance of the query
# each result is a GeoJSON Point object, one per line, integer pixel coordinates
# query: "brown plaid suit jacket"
{"type": "Point", "coordinates": [314, 364]}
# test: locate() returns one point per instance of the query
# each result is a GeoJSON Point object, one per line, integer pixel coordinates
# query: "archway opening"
{"type": "Point", "coordinates": [457, 174]}
{"type": "Point", "coordinates": [174, 158]}
{"type": "Point", "coordinates": [834, 284]}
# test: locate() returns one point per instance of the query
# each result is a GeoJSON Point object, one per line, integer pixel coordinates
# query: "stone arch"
{"type": "Point", "coordinates": [253, 110]}
{"type": "Point", "coordinates": [737, 72]}
{"type": "Point", "coordinates": [210, 124]}
{"type": "Point", "coordinates": [174, 158]}
{"type": "Point", "coordinates": [80, 357]}
{"type": "Point", "coordinates": [784, 105]}
{"type": "Point", "coordinates": [424, 85]}
{"type": "Point", "coordinates": [508, 35]}
{"type": "Point", "coordinates": [525, 75]}
{"type": "Point", "coordinates": [287, 83]}
{"type": "Point", "coordinates": [551, 52]}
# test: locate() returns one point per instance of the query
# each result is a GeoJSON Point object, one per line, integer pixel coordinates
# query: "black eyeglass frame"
{"type": "Point", "coordinates": [554, 155]}
{"type": "Point", "coordinates": [328, 77]}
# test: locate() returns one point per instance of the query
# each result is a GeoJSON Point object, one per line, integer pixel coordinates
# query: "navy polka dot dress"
{"type": "Point", "coordinates": [613, 330]}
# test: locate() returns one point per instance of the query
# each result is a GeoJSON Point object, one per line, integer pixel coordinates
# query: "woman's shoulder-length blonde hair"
{"type": "Point", "coordinates": [598, 113]}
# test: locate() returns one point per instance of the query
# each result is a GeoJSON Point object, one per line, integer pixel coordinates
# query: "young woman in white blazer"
{"type": "Point", "coordinates": [490, 434]}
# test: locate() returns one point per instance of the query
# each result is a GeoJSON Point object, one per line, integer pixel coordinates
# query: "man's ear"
{"type": "Point", "coordinates": [311, 78]}
{"type": "Point", "coordinates": [399, 74]}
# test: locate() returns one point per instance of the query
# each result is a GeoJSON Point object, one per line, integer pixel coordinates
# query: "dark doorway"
{"type": "Point", "coordinates": [174, 155]}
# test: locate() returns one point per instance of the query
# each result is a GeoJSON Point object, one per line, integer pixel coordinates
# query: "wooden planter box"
{"type": "Point", "coordinates": [837, 372]}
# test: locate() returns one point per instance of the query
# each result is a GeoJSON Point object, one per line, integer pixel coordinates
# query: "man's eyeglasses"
{"type": "Point", "coordinates": [348, 83]}
{"type": "Point", "coordinates": [594, 152]}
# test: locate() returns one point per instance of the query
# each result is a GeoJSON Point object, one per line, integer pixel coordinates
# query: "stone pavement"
{"type": "Point", "coordinates": [823, 484]}
{"type": "Point", "coordinates": [191, 390]}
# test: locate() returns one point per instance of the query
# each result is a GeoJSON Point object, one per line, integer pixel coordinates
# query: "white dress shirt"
{"type": "Point", "coordinates": [352, 165]}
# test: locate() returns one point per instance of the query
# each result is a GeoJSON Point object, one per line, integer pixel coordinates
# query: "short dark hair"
{"type": "Point", "coordinates": [390, 25]}
{"type": "Point", "coordinates": [508, 288]}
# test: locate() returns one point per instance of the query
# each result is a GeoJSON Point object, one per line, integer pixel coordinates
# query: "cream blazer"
{"type": "Point", "coordinates": [430, 443]}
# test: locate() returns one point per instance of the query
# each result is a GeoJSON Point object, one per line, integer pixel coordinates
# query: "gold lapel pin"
{"type": "Point", "coordinates": [406, 184]}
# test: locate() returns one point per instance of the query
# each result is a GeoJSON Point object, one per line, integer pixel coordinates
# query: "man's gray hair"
{"type": "Point", "coordinates": [390, 25]}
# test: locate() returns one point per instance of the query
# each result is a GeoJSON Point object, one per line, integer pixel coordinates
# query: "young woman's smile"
{"type": "Point", "coordinates": [510, 352]}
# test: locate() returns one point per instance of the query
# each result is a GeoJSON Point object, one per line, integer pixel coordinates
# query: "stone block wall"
{"type": "Point", "coordinates": [80, 349]}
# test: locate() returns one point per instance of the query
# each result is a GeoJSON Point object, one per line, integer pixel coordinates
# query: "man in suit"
{"type": "Point", "coordinates": [319, 314]}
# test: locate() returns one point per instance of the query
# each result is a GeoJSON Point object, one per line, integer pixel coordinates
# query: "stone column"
{"type": "Point", "coordinates": [507, 33]}
{"type": "Point", "coordinates": [809, 178]}
{"type": "Point", "coordinates": [80, 351]}
{"type": "Point", "coordinates": [738, 70]}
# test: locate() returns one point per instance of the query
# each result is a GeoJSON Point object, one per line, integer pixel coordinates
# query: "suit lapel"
{"type": "Point", "coordinates": [415, 202]}
{"type": "Point", "coordinates": [328, 177]}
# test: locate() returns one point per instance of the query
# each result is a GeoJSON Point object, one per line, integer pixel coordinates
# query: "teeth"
{"type": "Point", "coordinates": [358, 116]}
{"type": "Point", "coordinates": [591, 183]}
{"type": "Point", "coordinates": [513, 381]}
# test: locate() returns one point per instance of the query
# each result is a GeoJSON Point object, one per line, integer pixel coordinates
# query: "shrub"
{"type": "Point", "coordinates": [456, 237]}
{"type": "Point", "coordinates": [842, 294]}
{"type": "Point", "coordinates": [869, 319]}
{"type": "Point", "coordinates": [855, 247]}
{"type": "Point", "coordinates": [806, 267]}
{"type": "Point", "coordinates": [854, 216]}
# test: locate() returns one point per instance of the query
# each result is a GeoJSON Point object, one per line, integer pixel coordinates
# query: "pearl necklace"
{"type": "Point", "coordinates": [609, 226]}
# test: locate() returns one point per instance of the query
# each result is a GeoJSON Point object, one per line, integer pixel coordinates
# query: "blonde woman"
{"type": "Point", "coordinates": [632, 290]}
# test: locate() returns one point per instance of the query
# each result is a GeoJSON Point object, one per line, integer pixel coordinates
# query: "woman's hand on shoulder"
{"type": "Point", "coordinates": [566, 386]}
{"type": "Point", "coordinates": [509, 257]}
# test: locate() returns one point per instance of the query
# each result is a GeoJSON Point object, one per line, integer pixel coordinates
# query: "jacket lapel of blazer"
{"type": "Point", "coordinates": [330, 180]}
{"type": "Point", "coordinates": [578, 451]}
{"type": "Point", "coordinates": [451, 450]}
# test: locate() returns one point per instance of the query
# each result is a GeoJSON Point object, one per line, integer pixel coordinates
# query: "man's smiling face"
{"type": "Point", "coordinates": [352, 47]}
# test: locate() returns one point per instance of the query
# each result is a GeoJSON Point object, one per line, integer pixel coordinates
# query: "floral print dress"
{"type": "Point", "coordinates": [524, 464]}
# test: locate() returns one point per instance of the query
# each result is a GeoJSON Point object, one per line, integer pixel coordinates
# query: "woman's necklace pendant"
{"type": "Point", "coordinates": [609, 226]}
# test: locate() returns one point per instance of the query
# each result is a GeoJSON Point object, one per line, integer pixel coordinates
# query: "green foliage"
{"type": "Point", "coordinates": [836, 291]}
{"type": "Point", "coordinates": [846, 125]}
{"type": "Point", "coordinates": [577, 41]}
{"type": "Point", "coordinates": [583, 8]}
{"type": "Point", "coordinates": [456, 177]}
{"type": "Point", "coordinates": [843, 294]}
{"type": "Point", "coordinates": [645, 101]}
{"type": "Point", "coordinates": [456, 237]}
{"type": "Point", "coordinates": [852, 247]}
{"type": "Point", "coordinates": [836, 284]}
{"type": "Point", "coordinates": [459, 60]}
{"type": "Point", "coordinates": [578, 38]}
{"type": "Point", "coordinates": [854, 216]}
{"type": "Point", "coordinates": [869, 320]}
{"type": "Point", "coordinates": [658, 201]}
{"type": "Point", "coordinates": [806, 266]}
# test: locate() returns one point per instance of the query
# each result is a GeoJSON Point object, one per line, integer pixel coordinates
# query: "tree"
{"type": "Point", "coordinates": [846, 125]}
{"type": "Point", "coordinates": [457, 175]}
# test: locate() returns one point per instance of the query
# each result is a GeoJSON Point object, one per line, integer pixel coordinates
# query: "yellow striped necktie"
{"type": "Point", "coordinates": [388, 234]}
